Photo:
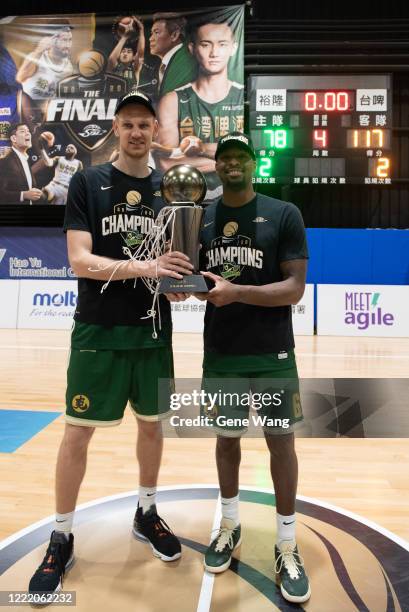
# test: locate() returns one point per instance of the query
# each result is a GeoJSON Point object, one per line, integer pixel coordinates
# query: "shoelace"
{"type": "Point", "coordinates": [159, 525]}
{"type": "Point", "coordinates": [53, 560]}
{"type": "Point", "coordinates": [289, 559]}
{"type": "Point", "coordinates": [224, 538]}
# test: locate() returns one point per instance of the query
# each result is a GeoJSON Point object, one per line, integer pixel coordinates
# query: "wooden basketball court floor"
{"type": "Point", "coordinates": [367, 477]}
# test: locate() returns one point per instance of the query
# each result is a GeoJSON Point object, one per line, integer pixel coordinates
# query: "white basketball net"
{"type": "Point", "coordinates": [153, 246]}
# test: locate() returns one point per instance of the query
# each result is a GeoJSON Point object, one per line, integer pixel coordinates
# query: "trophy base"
{"type": "Point", "coordinates": [193, 283]}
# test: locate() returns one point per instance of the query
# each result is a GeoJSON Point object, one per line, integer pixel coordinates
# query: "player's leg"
{"type": "Point", "coordinates": [283, 381]}
{"type": "Point", "coordinates": [150, 402]}
{"type": "Point", "coordinates": [284, 471]}
{"type": "Point", "coordinates": [60, 195]}
{"type": "Point", "coordinates": [70, 471]}
{"type": "Point", "coordinates": [295, 585]}
{"type": "Point", "coordinates": [228, 456]}
{"type": "Point", "coordinates": [97, 394]}
{"type": "Point", "coordinates": [218, 555]}
{"type": "Point", "coordinates": [49, 192]}
{"type": "Point", "coordinates": [149, 447]}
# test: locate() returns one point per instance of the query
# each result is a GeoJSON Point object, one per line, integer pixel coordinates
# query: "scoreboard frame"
{"type": "Point", "coordinates": [321, 129]}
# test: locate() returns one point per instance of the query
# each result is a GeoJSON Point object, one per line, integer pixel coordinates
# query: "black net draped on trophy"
{"type": "Point", "coordinates": [183, 187]}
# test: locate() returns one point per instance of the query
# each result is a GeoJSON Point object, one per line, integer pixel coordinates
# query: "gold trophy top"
{"type": "Point", "coordinates": [183, 184]}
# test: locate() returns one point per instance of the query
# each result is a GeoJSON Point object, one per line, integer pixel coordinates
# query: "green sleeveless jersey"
{"type": "Point", "coordinates": [127, 72]}
{"type": "Point", "coordinates": [209, 121]}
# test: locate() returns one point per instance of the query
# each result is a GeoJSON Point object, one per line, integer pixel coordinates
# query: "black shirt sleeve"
{"type": "Point", "coordinates": [293, 241]}
{"type": "Point", "coordinates": [76, 211]}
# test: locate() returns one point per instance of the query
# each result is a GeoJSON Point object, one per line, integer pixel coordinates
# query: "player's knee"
{"type": "Point", "coordinates": [280, 447]}
{"type": "Point", "coordinates": [77, 437]}
{"type": "Point", "coordinates": [227, 445]}
{"type": "Point", "coordinates": [150, 429]}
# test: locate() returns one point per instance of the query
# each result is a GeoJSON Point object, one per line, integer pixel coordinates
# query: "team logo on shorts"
{"type": "Point", "coordinates": [133, 198]}
{"type": "Point", "coordinates": [80, 403]}
{"type": "Point", "coordinates": [211, 411]}
{"type": "Point", "coordinates": [297, 409]}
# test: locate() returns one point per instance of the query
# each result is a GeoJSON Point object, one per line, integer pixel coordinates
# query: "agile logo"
{"type": "Point", "coordinates": [362, 310]}
{"type": "Point", "coordinates": [68, 298]}
{"type": "Point", "coordinates": [2, 254]}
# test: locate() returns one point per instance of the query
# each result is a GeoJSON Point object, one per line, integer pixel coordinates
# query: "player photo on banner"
{"type": "Point", "coordinates": [61, 77]}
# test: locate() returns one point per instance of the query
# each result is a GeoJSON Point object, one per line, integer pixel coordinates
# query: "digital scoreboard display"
{"type": "Point", "coordinates": [321, 129]}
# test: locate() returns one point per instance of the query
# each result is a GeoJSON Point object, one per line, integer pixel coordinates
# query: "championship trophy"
{"type": "Point", "coordinates": [183, 188]}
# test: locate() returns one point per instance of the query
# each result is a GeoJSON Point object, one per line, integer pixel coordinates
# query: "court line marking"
{"type": "Point", "coordinates": [184, 352]}
{"type": "Point", "coordinates": [206, 590]}
{"type": "Point", "coordinates": [360, 519]}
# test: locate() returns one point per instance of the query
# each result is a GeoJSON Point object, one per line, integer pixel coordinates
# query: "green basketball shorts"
{"type": "Point", "coordinates": [239, 400]}
{"type": "Point", "coordinates": [100, 383]}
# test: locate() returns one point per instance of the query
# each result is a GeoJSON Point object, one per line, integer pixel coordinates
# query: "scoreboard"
{"type": "Point", "coordinates": [321, 129]}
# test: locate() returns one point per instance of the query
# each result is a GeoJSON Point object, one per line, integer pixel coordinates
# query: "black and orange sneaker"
{"type": "Point", "coordinates": [48, 577]}
{"type": "Point", "coordinates": [150, 527]}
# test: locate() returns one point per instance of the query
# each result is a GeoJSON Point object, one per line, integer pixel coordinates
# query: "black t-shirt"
{"type": "Point", "coordinates": [118, 210]}
{"type": "Point", "coordinates": [246, 245]}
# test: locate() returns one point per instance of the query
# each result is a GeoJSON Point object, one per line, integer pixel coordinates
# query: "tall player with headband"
{"type": "Point", "coordinates": [110, 209]}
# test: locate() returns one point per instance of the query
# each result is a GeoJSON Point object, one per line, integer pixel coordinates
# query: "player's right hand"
{"type": "Point", "coordinates": [172, 263]}
{"type": "Point", "coordinates": [32, 194]}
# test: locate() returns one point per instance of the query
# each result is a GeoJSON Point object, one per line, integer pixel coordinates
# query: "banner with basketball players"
{"type": "Point", "coordinates": [60, 79]}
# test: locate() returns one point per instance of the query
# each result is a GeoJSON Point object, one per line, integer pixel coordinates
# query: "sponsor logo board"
{"type": "Point", "coordinates": [363, 310]}
{"type": "Point", "coordinates": [46, 304]}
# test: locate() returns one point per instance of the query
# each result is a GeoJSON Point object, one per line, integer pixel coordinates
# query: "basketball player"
{"type": "Point", "coordinates": [254, 250]}
{"type": "Point", "coordinates": [198, 113]}
{"type": "Point", "coordinates": [47, 64]}
{"type": "Point", "coordinates": [113, 355]}
{"type": "Point", "coordinates": [125, 60]}
{"type": "Point", "coordinates": [65, 167]}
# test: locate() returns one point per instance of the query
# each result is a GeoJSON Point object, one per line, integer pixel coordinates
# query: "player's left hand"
{"type": "Point", "coordinates": [223, 293]}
